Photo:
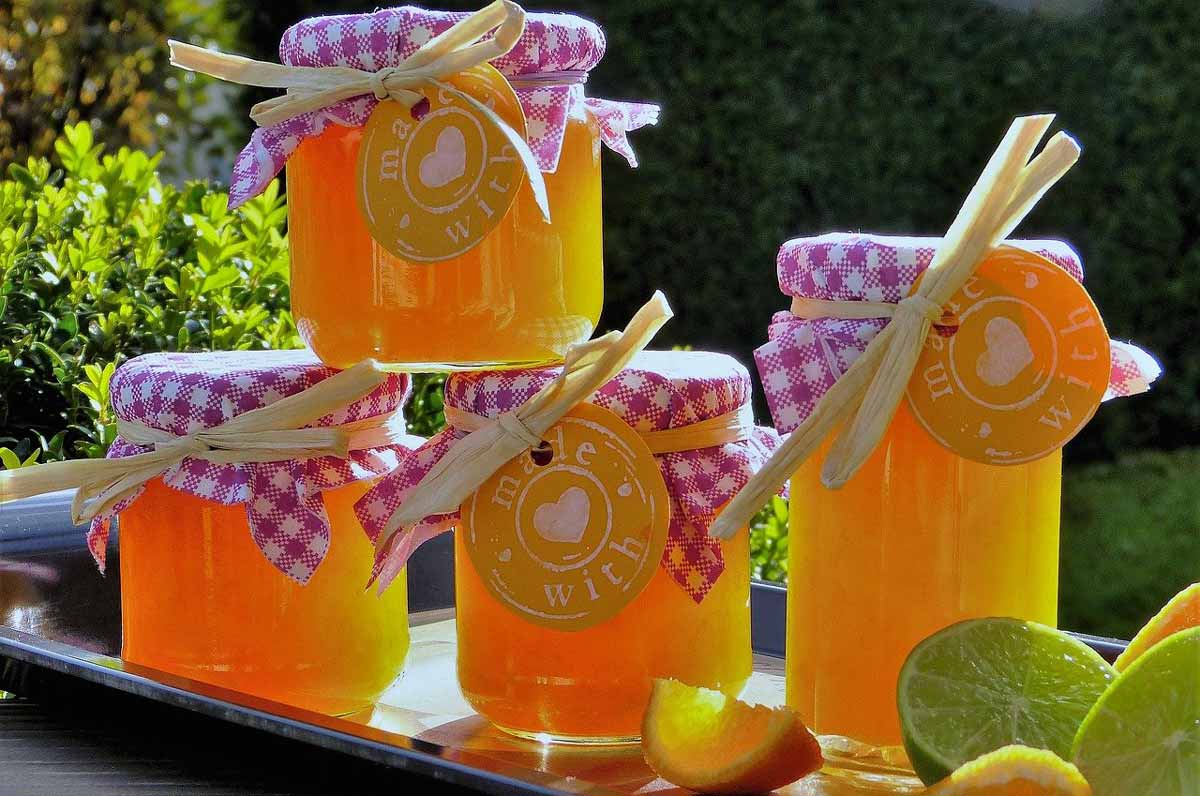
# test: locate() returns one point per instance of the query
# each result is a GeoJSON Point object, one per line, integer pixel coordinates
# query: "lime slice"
{"type": "Point", "coordinates": [984, 684]}
{"type": "Point", "coordinates": [1143, 736]}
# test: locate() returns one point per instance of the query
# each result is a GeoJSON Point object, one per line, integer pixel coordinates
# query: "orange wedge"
{"type": "Point", "coordinates": [707, 742]}
{"type": "Point", "coordinates": [1181, 613]}
{"type": "Point", "coordinates": [1015, 771]}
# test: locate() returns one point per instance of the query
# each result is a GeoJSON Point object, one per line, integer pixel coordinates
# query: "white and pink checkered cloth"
{"type": "Point", "coordinates": [806, 356]}
{"type": "Point", "coordinates": [659, 390]}
{"type": "Point", "coordinates": [551, 43]}
{"type": "Point", "coordinates": [186, 393]}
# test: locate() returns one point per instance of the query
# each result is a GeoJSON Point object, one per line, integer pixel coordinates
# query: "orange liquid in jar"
{"type": "Point", "coordinates": [199, 599]}
{"type": "Point", "coordinates": [592, 685]}
{"type": "Point", "coordinates": [918, 540]}
{"type": "Point", "coordinates": [519, 298]}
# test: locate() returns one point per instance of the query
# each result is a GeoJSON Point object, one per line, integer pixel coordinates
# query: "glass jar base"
{"type": "Point", "coordinates": [870, 767]}
{"type": "Point", "coordinates": [572, 740]}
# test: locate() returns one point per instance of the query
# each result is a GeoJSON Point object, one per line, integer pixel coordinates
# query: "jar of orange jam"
{"type": "Point", "coordinates": [251, 575]}
{"type": "Point", "coordinates": [544, 650]}
{"type": "Point", "coordinates": [920, 537]}
{"type": "Point", "coordinates": [529, 289]}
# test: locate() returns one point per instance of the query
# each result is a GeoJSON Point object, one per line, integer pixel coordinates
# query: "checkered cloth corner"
{"type": "Point", "coordinates": [658, 390]}
{"type": "Point", "coordinates": [804, 357]}
{"type": "Point", "coordinates": [550, 43]}
{"type": "Point", "coordinates": [185, 393]}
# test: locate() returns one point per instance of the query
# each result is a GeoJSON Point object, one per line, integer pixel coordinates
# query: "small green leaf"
{"type": "Point", "coordinates": [9, 459]}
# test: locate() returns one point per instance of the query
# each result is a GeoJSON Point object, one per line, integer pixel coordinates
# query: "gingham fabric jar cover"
{"type": "Point", "coordinates": [551, 43]}
{"type": "Point", "coordinates": [185, 393]}
{"type": "Point", "coordinates": [659, 390]}
{"type": "Point", "coordinates": [804, 357]}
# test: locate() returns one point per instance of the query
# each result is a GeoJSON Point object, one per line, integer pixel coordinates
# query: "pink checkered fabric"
{"type": "Point", "coordinates": [186, 393]}
{"type": "Point", "coordinates": [804, 357]}
{"type": "Point", "coordinates": [550, 43]}
{"type": "Point", "coordinates": [657, 391]}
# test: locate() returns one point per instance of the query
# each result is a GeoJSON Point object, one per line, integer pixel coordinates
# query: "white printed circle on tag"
{"type": "Point", "coordinates": [431, 188]}
{"type": "Point", "coordinates": [566, 537]}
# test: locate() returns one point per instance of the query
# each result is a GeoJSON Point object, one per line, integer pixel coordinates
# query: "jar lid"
{"type": "Point", "coordinates": [550, 42]}
{"type": "Point", "coordinates": [184, 393]}
{"type": "Point", "coordinates": [658, 390]}
{"type": "Point", "coordinates": [856, 266]}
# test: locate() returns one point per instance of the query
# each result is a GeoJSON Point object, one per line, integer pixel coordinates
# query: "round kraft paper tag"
{"type": "Point", "coordinates": [1025, 369]}
{"type": "Point", "coordinates": [568, 535]}
{"type": "Point", "coordinates": [431, 188]}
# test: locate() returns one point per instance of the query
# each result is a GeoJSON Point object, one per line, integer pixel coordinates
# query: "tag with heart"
{"type": "Point", "coordinates": [434, 182]}
{"type": "Point", "coordinates": [1024, 369]}
{"type": "Point", "coordinates": [568, 540]}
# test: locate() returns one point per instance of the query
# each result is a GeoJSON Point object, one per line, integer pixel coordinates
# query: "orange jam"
{"type": "Point", "coordinates": [519, 298]}
{"type": "Point", "coordinates": [592, 685]}
{"type": "Point", "coordinates": [919, 539]}
{"type": "Point", "coordinates": [199, 600]}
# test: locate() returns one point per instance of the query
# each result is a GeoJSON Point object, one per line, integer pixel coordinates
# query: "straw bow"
{"type": "Point", "coordinates": [270, 433]}
{"type": "Point", "coordinates": [873, 386]}
{"type": "Point", "coordinates": [311, 88]}
{"type": "Point", "coordinates": [472, 460]}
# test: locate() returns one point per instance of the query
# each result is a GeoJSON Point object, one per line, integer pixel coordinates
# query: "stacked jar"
{"type": "Point", "coordinates": [582, 576]}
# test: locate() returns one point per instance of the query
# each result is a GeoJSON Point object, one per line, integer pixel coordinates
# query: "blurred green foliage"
{"type": "Point", "coordinates": [105, 62]}
{"type": "Point", "coordinates": [1130, 539]}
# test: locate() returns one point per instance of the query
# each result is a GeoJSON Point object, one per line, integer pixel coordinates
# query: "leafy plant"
{"type": "Point", "coordinates": [101, 260]}
{"type": "Point", "coordinates": [105, 62]}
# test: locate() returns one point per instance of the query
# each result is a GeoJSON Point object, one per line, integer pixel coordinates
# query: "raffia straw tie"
{"type": "Point", "coordinates": [269, 434]}
{"type": "Point", "coordinates": [864, 399]}
{"type": "Point", "coordinates": [311, 88]}
{"type": "Point", "coordinates": [735, 426]}
{"type": "Point", "coordinates": [475, 458]}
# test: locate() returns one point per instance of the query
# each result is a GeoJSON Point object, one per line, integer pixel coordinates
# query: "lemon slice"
{"type": "Point", "coordinates": [1015, 771]}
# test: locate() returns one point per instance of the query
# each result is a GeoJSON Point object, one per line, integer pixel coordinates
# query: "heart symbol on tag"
{"type": "Point", "coordinates": [566, 519]}
{"type": "Point", "coordinates": [448, 160]}
{"type": "Point", "coordinates": [1007, 353]}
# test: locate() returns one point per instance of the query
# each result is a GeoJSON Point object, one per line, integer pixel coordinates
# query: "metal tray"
{"type": "Point", "coordinates": [57, 614]}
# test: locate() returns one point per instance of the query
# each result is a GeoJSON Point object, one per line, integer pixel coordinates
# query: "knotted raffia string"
{"type": "Point", "coordinates": [873, 386]}
{"type": "Point", "coordinates": [311, 88]}
{"type": "Point", "coordinates": [268, 434]}
{"type": "Point", "coordinates": [735, 426]}
{"type": "Point", "coordinates": [475, 458]}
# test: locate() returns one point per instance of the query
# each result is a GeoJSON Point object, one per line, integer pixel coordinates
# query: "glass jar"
{"type": "Point", "coordinates": [579, 669]}
{"type": "Point", "coordinates": [592, 685]}
{"type": "Point", "coordinates": [519, 297]}
{"type": "Point", "coordinates": [199, 600]}
{"type": "Point", "coordinates": [920, 537]}
{"type": "Point", "coordinates": [251, 574]}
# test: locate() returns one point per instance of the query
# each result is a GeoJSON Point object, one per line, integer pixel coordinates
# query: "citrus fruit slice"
{"type": "Point", "coordinates": [1143, 735]}
{"type": "Point", "coordinates": [984, 684]}
{"type": "Point", "coordinates": [704, 741]}
{"type": "Point", "coordinates": [1015, 771]}
{"type": "Point", "coordinates": [1182, 612]}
